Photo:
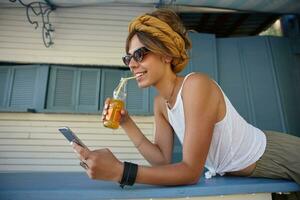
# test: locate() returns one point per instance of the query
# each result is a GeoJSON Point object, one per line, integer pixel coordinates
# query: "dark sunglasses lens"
{"type": "Point", "coordinates": [126, 59]}
{"type": "Point", "coordinates": [138, 55]}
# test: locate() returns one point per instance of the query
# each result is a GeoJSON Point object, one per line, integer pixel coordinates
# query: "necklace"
{"type": "Point", "coordinates": [171, 95]}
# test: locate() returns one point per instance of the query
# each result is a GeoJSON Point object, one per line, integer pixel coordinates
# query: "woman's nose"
{"type": "Point", "coordinates": [132, 64]}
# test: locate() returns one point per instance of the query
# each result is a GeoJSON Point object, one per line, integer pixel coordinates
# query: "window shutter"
{"type": "Point", "coordinates": [88, 90]}
{"type": "Point", "coordinates": [137, 101]}
{"type": "Point", "coordinates": [4, 73]}
{"type": "Point", "coordinates": [41, 84]}
{"type": "Point", "coordinates": [61, 94]}
{"type": "Point", "coordinates": [23, 85]}
{"type": "Point", "coordinates": [109, 80]}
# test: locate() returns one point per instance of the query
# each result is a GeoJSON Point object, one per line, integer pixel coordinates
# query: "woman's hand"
{"type": "Point", "coordinates": [107, 105]}
{"type": "Point", "coordinates": [100, 164]}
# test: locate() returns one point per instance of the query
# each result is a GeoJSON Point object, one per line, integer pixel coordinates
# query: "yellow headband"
{"type": "Point", "coordinates": [161, 30]}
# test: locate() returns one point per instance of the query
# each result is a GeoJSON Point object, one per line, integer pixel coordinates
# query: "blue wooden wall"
{"type": "Point", "coordinates": [260, 75]}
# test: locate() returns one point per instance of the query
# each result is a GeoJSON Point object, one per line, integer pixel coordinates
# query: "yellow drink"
{"type": "Point", "coordinates": [113, 117]}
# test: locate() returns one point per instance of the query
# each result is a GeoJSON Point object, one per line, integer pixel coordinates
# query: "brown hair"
{"type": "Point", "coordinates": [154, 44]}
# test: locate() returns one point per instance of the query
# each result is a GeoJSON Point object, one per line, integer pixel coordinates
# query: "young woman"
{"type": "Point", "coordinates": [212, 133]}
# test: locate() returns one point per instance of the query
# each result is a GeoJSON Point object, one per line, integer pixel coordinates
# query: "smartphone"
{"type": "Point", "coordinates": [68, 133]}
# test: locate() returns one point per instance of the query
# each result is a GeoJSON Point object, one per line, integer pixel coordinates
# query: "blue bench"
{"type": "Point", "coordinates": [75, 185]}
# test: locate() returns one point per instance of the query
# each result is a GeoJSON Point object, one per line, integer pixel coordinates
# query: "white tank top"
{"type": "Point", "coordinates": [235, 143]}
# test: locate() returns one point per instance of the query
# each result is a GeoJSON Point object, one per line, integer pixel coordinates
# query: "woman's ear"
{"type": "Point", "coordinates": [167, 59]}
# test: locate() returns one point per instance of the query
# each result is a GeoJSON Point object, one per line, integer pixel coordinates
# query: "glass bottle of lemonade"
{"type": "Point", "coordinates": [113, 117]}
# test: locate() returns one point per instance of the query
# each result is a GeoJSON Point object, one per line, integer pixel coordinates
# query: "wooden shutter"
{"type": "Point", "coordinates": [23, 85]}
{"type": "Point", "coordinates": [137, 101]}
{"type": "Point", "coordinates": [109, 80]}
{"type": "Point", "coordinates": [88, 90]}
{"type": "Point", "coordinates": [77, 89]}
{"type": "Point", "coordinates": [4, 73]}
{"type": "Point", "coordinates": [41, 83]}
{"type": "Point", "coordinates": [61, 95]}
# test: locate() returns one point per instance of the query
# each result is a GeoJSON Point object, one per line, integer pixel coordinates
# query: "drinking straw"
{"type": "Point", "coordinates": [122, 82]}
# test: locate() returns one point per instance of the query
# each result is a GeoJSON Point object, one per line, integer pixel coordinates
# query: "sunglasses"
{"type": "Point", "coordinates": [138, 55]}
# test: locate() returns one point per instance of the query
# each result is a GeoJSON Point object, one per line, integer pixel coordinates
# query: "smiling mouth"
{"type": "Point", "coordinates": [139, 74]}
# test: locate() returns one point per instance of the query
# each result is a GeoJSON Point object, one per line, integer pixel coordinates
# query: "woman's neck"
{"type": "Point", "coordinates": [167, 87]}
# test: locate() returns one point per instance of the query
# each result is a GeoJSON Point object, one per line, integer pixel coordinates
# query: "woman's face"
{"type": "Point", "coordinates": [150, 69]}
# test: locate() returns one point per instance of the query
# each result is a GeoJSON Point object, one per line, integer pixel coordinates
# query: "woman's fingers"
{"type": "Point", "coordinates": [82, 153]}
{"type": "Point", "coordinates": [123, 112]}
{"type": "Point", "coordinates": [99, 164]}
{"type": "Point", "coordinates": [107, 104]}
{"type": "Point", "coordinates": [105, 108]}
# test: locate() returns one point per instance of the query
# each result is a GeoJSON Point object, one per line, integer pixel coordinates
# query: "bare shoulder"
{"type": "Point", "coordinates": [199, 82]}
{"type": "Point", "coordinates": [201, 87]}
{"type": "Point", "coordinates": [208, 95]}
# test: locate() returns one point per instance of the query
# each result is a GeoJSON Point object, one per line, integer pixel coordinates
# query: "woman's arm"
{"type": "Point", "coordinates": [159, 152]}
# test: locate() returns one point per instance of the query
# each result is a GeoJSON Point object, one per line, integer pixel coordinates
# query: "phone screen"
{"type": "Point", "coordinates": [71, 137]}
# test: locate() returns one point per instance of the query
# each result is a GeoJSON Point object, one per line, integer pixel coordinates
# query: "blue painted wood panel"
{"type": "Point", "coordinates": [78, 186]}
{"type": "Point", "coordinates": [257, 64]}
{"type": "Point", "coordinates": [231, 75]}
{"type": "Point", "coordinates": [287, 72]}
{"type": "Point", "coordinates": [246, 76]}
{"type": "Point", "coordinates": [203, 55]}
{"type": "Point", "coordinates": [253, 73]}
